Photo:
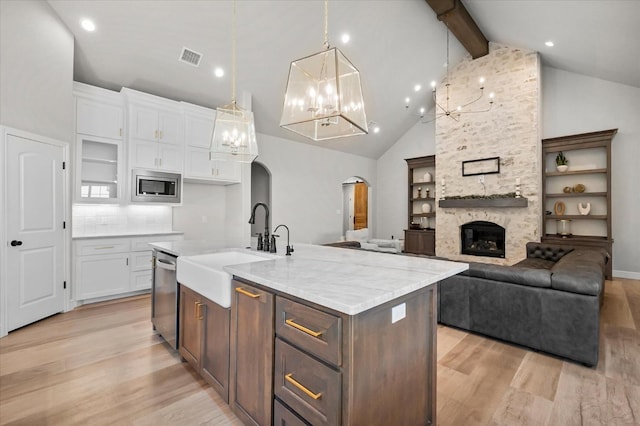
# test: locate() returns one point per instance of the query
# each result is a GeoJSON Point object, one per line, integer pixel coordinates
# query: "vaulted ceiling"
{"type": "Point", "coordinates": [396, 44]}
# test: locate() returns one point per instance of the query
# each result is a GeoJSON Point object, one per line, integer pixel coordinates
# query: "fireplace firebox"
{"type": "Point", "coordinates": [482, 238]}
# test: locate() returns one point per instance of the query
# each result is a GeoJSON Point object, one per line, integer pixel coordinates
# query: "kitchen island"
{"type": "Point", "coordinates": [335, 336]}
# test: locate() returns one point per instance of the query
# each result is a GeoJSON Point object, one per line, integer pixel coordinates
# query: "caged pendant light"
{"type": "Point", "coordinates": [234, 134]}
{"type": "Point", "coordinates": [323, 99]}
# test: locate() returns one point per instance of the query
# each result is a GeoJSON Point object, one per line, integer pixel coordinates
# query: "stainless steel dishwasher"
{"type": "Point", "coordinates": [164, 297]}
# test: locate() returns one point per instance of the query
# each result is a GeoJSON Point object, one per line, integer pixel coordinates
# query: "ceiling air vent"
{"type": "Point", "coordinates": [190, 57]}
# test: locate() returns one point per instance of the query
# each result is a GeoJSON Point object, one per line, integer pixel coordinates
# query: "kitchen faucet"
{"type": "Point", "coordinates": [289, 248]}
{"type": "Point", "coordinates": [265, 242]}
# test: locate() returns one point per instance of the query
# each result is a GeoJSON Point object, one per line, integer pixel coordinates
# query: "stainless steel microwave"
{"type": "Point", "coordinates": [155, 187]}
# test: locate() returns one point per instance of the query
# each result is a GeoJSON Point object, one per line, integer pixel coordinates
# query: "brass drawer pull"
{"type": "Point", "coordinates": [200, 316]}
{"type": "Point", "coordinates": [104, 247]}
{"type": "Point", "coordinates": [303, 328]}
{"type": "Point", "coordinates": [246, 293]}
{"type": "Point", "coordinates": [195, 310]}
{"type": "Point", "coordinates": [302, 388]}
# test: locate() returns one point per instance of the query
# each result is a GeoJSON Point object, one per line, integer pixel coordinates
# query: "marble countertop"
{"type": "Point", "coordinates": [125, 234]}
{"type": "Point", "coordinates": [348, 281]}
{"type": "Point", "coordinates": [188, 247]}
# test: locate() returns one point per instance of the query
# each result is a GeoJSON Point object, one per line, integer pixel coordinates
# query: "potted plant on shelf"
{"type": "Point", "coordinates": [562, 164]}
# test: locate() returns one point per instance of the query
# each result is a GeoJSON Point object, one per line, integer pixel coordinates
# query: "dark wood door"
{"type": "Point", "coordinates": [360, 207]}
{"type": "Point", "coordinates": [252, 334]}
{"type": "Point", "coordinates": [215, 347]}
{"type": "Point", "coordinates": [190, 326]}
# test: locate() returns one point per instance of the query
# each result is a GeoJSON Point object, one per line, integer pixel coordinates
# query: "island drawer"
{"type": "Point", "coordinates": [306, 385]}
{"type": "Point", "coordinates": [312, 330]}
{"type": "Point", "coordinates": [282, 416]}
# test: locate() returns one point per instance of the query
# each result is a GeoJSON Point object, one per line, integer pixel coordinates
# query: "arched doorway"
{"type": "Point", "coordinates": [260, 193]}
{"type": "Point", "coordinates": [355, 198]}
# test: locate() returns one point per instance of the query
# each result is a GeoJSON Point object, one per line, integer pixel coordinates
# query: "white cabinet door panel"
{"type": "Point", "coordinates": [144, 123]}
{"type": "Point", "coordinates": [101, 275]}
{"type": "Point", "coordinates": [99, 119]}
{"type": "Point", "coordinates": [170, 128]}
{"type": "Point", "coordinates": [141, 280]}
{"type": "Point", "coordinates": [198, 164]}
{"type": "Point", "coordinates": [198, 131]}
{"type": "Point", "coordinates": [171, 157]}
{"type": "Point", "coordinates": [145, 154]}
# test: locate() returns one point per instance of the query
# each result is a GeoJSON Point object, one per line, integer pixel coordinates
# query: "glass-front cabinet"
{"type": "Point", "coordinates": [100, 170]}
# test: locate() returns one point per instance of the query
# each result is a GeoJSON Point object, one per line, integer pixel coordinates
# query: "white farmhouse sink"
{"type": "Point", "coordinates": [205, 275]}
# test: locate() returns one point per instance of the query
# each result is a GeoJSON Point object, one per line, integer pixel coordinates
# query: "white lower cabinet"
{"type": "Point", "coordinates": [113, 266]}
{"type": "Point", "coordinates": [102, 275]}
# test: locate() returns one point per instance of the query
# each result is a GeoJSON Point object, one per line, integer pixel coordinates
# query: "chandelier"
{"type": "Point", "coordinates": [323, 99]}
{"type": "Point", "coordinates": [234, 134]}
{"type": "Point", "coordinates": [444, 110]}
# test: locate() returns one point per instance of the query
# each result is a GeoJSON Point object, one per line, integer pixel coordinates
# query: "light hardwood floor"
{"type": "Point", "coordinates": [103, 364]}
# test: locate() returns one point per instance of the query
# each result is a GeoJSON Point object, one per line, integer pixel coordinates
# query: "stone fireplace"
{"type": "Point", "coordinates": [510, 131]}
{"type": "Point", "coordinates": [480, 238]}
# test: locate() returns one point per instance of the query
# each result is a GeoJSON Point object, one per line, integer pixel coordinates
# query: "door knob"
{"type": "Point", "coordinates": [16, 243]}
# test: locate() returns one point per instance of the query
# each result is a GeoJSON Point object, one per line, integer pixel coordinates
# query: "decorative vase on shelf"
{"type": "Point", "coordinates": [427, 177]}
{"type": "Point", "coordinates": [426, 208]}
{"type": "Point", "coordinates": [562, 163]}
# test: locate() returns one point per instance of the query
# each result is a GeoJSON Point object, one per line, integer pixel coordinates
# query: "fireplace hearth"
{"type": "Point", "coordinates": [482, 238]}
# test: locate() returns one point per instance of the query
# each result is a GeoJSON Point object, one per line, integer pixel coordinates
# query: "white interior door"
{"type": "Point", "coordinates": [35, 246]}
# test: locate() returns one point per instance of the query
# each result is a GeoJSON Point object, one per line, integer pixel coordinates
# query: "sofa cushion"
{"type": "Point", "coordinates": [536, 263]}
{"type": "Point", "coordinates": [581, 271]}
{"type": "Point", "coordinates": [547, 251]}
{"type": "Point", "coordinates": [511, 274]}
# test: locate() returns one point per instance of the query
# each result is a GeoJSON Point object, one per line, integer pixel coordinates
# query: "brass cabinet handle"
{"type": "Point", "coordinates": [303, 328]}
{"type": "Point", "coordinates": [161, 134]}
{"type": "Point", "coordinates": [103, 248]}
{"type": "Point", "coordinates": [199, 310]}
{"type": "Point", "coordinates": [195, 310]}
{"type": "Point", "coordinates": [155, 134]}
{"type": "Point", "coordinates": [295, 383]}
{"type": "Point", "coordinates": [246, 293]}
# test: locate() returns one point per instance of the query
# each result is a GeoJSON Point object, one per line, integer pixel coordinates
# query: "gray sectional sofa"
{"type": "Point", "coordinates": [549, 302]}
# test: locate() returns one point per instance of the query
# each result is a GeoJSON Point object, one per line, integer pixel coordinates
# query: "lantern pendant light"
{"type": "Point", "coordinates": [323, 99]}
{"type": "Point", "coordinates": [234, 134]}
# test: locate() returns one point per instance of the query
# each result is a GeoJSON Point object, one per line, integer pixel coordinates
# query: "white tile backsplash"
{"type": "Point", "coordinates": [103, 220]}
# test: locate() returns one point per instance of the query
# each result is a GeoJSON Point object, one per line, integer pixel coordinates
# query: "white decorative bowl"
{"type": "Point", "coordinates": [426, 208]}
{"type": "Point", "coordinates": [562, 168]}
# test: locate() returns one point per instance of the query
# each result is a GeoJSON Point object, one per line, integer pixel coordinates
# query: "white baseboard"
{"type": "Point", "coordinates": [626, 274]}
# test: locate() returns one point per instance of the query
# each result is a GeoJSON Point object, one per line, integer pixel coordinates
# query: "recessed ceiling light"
{"type": "Point", "coordinates": [345, 38]}
{"type": "Point", "coordinates": [376, 129]}
{"type": "Point", "coordinates": [219, 72]}
{"type": "Point", "coordinates": [88, 25]}
{"type": "Point", "coordinates": [548, 43]}
{"type": "Point", "coordinates": [417, 87]}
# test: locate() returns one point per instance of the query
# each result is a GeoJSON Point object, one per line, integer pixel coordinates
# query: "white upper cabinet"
{"type": "Point", "coordinates": [99, 112]}
{"type": "Point", "coordinates": [155, 125]}
{"type": "Point", "coordinates": [198, 130]}
{"type": "Point", "coordinates": [96, 118]}
{"type": "Point", "coordinates": [156, 132]}
{"type": "Point", "coordinates": [199, 123]}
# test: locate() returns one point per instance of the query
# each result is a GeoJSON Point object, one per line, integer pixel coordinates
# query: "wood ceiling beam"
{"type": "Point", "coordinates": [456, 17]}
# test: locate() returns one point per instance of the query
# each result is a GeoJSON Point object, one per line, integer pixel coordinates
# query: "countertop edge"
{"type": "Point", "coordinates": [125, 235]}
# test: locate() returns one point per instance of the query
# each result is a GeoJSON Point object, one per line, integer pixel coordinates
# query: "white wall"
{"type": "Point", "coordinates": [202, 215]}
{"type": "Point", "coordinates": [574, 103]}
{"type": "Point", "coordinates": [392, 193]}
{"type": "Point", "coordinates": [306, 187]}
{"type": "Point", "coordinates": [36, 70]}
